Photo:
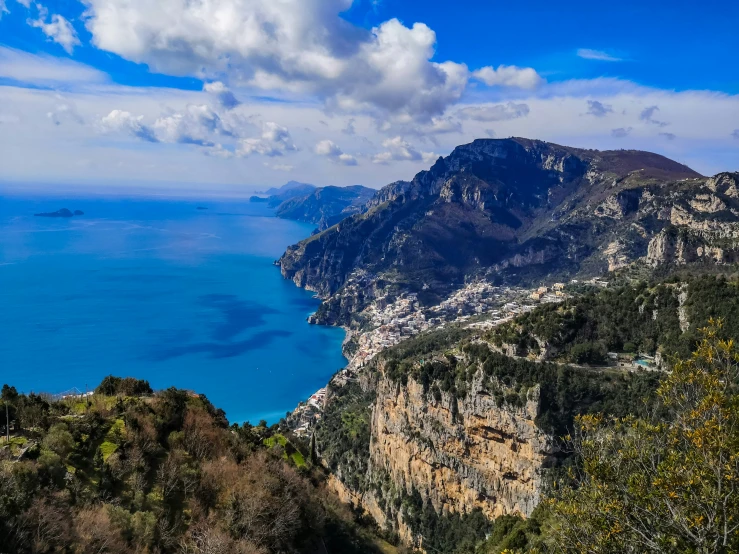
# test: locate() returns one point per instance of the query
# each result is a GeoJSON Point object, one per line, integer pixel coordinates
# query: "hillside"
{"type": "Point", "coordinates": [129, 470]}
{"type": "Point", "coordinates": [326, 206]}
{"type": "Point", "coordinates": [451, 437]}
{"type": "Point", "coordinates": [517, 211]}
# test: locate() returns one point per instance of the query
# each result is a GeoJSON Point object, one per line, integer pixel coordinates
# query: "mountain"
{"type": "Point", "coordinates": [276, 196]}
{"type": "Point", "coordinates": [326, 206]}
{"type": "Point", "coordinates": [287, 187]}
{"type": "Point", "coordinates": [517, 211]}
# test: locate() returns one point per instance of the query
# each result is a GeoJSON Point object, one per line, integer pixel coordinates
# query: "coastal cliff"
{"type": "Point", "coordinates": [448, 427]}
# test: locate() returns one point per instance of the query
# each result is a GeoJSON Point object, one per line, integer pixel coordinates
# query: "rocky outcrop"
{"type": "Point", "coordinates": [64, 212]}
{"type": "Point", "coordinates": [460, 454]}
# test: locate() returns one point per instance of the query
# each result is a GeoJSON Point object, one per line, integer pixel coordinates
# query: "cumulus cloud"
{"type": "Point", "coordinates": [331, 150]}
{"type": "Point", "coordinates": [57, 29]}
{"type": "Point", "coordinates": [301, 46]}
{"type": "Point", "coordinates": [598, 109]}
{"type": "Point", "coordinates": [400, 150]}
{"type": "Point", "coordinates": [222, 93]}
{"type": "Point", "coordinates": [621, 132]}
{"type": "Point", "coordinates": [275, 140]}
{"type": "Point", "coordinates": [600, 55]}
{"type": "Point", "coordinates": [647, 115]}
{"type": "Point", "coordinates": [494, 112]}
{"type": "Point", "coordinates": [120, 121]}
{"type": "Point", "coordinates": [195, 125]}
{"type": "Point", "coordinates": [509, 76]}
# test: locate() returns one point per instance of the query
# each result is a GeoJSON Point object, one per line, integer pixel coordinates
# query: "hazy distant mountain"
{"type": "Point", "coordinates": [287, 187]}
{"type": "Point", "coordinates": [327, 206]}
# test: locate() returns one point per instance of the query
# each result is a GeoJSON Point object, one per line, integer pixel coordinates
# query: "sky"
{"type": "Point", "coordinates": [229, 96]}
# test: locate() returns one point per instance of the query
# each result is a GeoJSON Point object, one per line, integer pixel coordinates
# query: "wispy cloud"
{"type": "Point", "coordinates": [42, 70]}
{"type": "Point", "coordinates": [600, 55]}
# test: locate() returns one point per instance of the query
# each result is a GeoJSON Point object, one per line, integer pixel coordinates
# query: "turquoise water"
{"type": "Point", "coordinates": [159, 290]}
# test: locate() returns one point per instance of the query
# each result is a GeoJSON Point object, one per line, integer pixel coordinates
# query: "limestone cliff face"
{"type": "Point", "coordinates": [460, 454]}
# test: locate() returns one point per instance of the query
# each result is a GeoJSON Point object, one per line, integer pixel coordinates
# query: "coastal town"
{"type": "Point", "coordinates": [479, 303]}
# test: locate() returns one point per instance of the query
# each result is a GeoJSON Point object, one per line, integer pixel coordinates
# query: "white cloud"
{"type": "Point", "coordinates": [400, 150]}
{"type": "Point", "coordinates": [225, 97]}
{"type": "Point", "coordinates": [509, 76]}
{"type": "Point", "coordinates": [77, 153]}
{"type": "Point", "coordinates": [120, 121]}
{"type": "Point", "coordinates": [217, 151]}
{"type": "Point", "coordinates": [494, 112]}
{"type": "Point", "coordinates": [600, 55]}
{"type": "Point", "coordinates": [195, 125]}
{"type": "Point", "coordinates": [331, 150]}
{"type": "Point", "coordinates": [300, 46]}
{"type": "Point", "coordinates": [39, 69]}
{"type": "Point", "coordinates": [58, 29]}
{"type": "Point", "coordinates": [274, 141]}
{"type": "Point", "coordinates": [3, 8]}
{"type": "Point", "coordinates": [280, 167]}
{"type": "Point", "coordinates": [64, 111]}
{"type": "Point", "coordinates": [598, 109]}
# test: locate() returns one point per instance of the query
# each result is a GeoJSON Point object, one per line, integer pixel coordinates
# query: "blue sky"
{"type": "Point", "coordinates": [230, 95]}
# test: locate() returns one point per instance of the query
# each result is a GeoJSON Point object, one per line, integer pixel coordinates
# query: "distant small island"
{"type": "Point", "coordinates": [64, 212]}
{"type": "Point", "coordinates": [258, 199]}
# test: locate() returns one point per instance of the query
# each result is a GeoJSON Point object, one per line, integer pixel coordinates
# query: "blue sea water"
{"type": "Point", "coordinates": [159, 290]}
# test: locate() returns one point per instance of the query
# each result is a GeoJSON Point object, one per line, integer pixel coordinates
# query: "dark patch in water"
{"type": "Point", "coordinates": [238, 315]}
{"type": "Point", "coordinates": [219, 350]}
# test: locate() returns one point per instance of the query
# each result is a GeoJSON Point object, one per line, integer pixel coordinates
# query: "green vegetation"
{"type": "Point", "coordinates": [342, 438]}
{"type": "Point", "coordinates": [630, 318]}
{"type": "Point", "coordinates": [159, 473]}
{"type": "Point", "coordinates": [447, 361]}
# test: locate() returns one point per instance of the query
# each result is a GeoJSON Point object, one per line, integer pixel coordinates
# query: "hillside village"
{"type": "Point", "coordinates": [479, 303]}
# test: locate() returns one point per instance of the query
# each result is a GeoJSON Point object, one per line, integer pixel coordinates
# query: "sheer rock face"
{"type": "Point", "coordinates": [459, 454]}
{"type": "Point", "coordinates": [477, 455]}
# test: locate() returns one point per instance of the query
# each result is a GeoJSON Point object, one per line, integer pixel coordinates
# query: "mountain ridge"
{"type": "Point", "coordinates": [510, 209]}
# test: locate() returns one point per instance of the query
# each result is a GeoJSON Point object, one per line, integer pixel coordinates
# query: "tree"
{"type": "Point", "coordinates": [59, 440]}
{"type": "Point", "coordinates": [663, 485]}
{"type": "Point", "coordinates": [313, 453]}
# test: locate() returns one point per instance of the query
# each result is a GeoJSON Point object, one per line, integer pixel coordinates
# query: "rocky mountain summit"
{"type": "Point", "coordinates": [517, 211]}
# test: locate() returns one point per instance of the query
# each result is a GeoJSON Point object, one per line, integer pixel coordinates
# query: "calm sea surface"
{"type": "Point", "coordinates": [161, 291]}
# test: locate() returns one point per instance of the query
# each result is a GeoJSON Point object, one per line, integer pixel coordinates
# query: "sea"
{"type": "Point", "coordinates": [160, 290]}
